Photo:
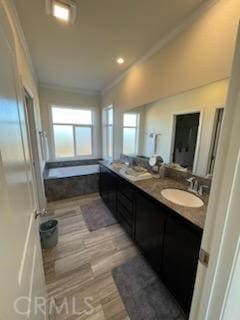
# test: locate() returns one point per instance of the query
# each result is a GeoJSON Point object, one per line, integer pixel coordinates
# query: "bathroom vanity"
{"type": "Point", "coordinates": [168, 235]}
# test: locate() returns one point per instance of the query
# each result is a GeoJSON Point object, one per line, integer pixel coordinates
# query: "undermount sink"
{"type": "Point", "coordinates": [182, 198]}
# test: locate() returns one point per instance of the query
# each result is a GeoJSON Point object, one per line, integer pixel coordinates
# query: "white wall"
{"type": "Point", "coordinates": [159, 119]}
{"type": "Point", "coordinates": [52, 96]}
{"type": "Point", "coordinates": [25, 69]}
{"type": "Point", "coordinates": [28, 79]}
{"type": "Point", "coordinates": [199, 55]}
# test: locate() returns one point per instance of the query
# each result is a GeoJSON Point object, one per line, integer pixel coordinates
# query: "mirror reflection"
{"type": "Point", "coordinates": [183, 129]}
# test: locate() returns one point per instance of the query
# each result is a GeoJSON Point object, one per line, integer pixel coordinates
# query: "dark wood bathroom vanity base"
{"type": "Point", "coordinates": [168, 240]}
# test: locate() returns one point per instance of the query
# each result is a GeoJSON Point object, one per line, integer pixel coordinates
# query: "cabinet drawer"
{"type": "Point", "coordinates": [128, 216]}
{"type": "Point", "coordinates": [125, 224]}
{"type": "Point", "coordinates": [125, 188]}
{"type": "Point", "coordinates": [128, 204]}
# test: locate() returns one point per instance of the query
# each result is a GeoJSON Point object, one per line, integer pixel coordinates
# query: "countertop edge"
{"type": "Point", "coordinates": [199, 225]}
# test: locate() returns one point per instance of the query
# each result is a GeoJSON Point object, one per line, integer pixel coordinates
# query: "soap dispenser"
{"type": "Point", "coordinates": [162, 170]}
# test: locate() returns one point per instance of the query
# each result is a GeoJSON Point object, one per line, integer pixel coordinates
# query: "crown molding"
{"type": "Point", "coordinates": [17, 24]}
{"type": "Point", "coordinates": [164, 41]}
{"type": "Point", "coordinates": [69, 89]}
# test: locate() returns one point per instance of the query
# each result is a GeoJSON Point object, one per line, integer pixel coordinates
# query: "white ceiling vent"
{"type": "Point", "coordinates": [63, 10]}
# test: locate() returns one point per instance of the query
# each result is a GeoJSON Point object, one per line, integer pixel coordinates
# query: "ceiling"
{"type": "Point", "coordinates": [83, 56]}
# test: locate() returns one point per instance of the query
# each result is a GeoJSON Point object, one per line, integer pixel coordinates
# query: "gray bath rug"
{"type": "Point", "coordinates": [96, 215]}
{"type": "Point", "coordinates": [143, 294]}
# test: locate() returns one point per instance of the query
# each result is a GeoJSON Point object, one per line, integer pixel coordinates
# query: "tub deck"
{"type": "Point", "coordinates": [71, 181]}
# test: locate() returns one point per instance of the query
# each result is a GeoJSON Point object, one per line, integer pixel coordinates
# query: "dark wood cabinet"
{"type": "Point", "coordinates": [149, 230]}
{"type": "Point", "coordinates": [118, 196]}
{"type": "Point", "coordinates": [169, 242]}
{"type": "Point", "coordinates": [126, 206]}
{"type": "Point", "coordinates": [180, 259]}
{"type": "Point", "coordinates": [103, 183]}
{"type": "Point", "coordinates": [108, 188]}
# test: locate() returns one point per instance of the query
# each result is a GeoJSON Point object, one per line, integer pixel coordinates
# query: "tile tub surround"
{"type": "Point", "coordinates": [154, 186]}
{"type": "Point", "coordinates": [70, 163]}
{"type": "Point", "coordinates": [67, 182]}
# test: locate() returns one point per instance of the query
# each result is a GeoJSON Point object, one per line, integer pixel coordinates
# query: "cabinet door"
{"type": "Point", "coordinates": [103, 184]}
{"type": "Point", "coordinates": [108, 188]}
{"type": "Point", "coordinates": [125, 206]}
{"type": "Point", "coordinates": [112, 191]}
{"type": "Point", "coordinates": [149, 230]}
{"type": "Point", "coordinates": [180, 259]}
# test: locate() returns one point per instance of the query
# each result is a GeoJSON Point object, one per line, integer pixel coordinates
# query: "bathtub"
{"type": "Point", "coordinates": [72, 171]}
{"type": "Point", "coordinates": [71, 181]}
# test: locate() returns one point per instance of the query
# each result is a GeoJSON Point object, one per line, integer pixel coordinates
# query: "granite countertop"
{"type": "Point", "coordinates": [153, 187]}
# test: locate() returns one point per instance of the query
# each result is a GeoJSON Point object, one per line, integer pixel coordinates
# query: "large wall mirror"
{"type": "Point", "coordinates": [182, 129]}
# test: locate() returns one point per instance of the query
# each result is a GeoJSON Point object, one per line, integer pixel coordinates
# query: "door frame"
{"type": "Point", "coordinates": [214, 135]}
{"type": "Point", "coordinates": [173, 131]}
{"type": "Point", "coordinates": [33, 142]}
{"type": "Point", "coordinates": [212, 286]}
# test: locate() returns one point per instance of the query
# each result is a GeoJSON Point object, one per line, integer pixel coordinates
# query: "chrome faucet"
{"type": "Point", "coordinates": [194, 186]}
{"type": "Point", "coordinates": [200, 191]}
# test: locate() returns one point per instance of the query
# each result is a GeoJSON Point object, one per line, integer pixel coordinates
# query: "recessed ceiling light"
{"type": "Point", "coordinates": [61, 11]}
{"type": "Point", "coordinates": [120, 60]}
{"type": "Point", "coordinates": [64, 10]}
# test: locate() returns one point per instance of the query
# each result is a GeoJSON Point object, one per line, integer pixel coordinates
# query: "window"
{"type": "Point", "coordinates": [72, 132]}
{"type": "Point", "coordinates": [130, 133]}
{"type": "Point", "coordinates": [108, 132]}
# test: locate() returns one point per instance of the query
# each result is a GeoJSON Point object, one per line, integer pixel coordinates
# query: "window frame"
{"type": "Point", "coordinates": [73, 125]}
{"type": "Point", "coordinates": [137, 128]}
{"type": "Point", "coordinates": [106, 126]}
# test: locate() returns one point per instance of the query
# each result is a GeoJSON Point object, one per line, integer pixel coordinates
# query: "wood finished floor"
{"type": "Point", "coordinates": [80, 266]}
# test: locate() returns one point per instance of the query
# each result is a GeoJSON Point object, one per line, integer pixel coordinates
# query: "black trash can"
{"type": "Point", "coordinates": [49, 234]}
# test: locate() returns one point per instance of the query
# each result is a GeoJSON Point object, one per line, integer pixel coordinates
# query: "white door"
{"type": "Point", "coordinates": [21, 268]}
{"type": "Point", "coordinates": [217, 292]}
